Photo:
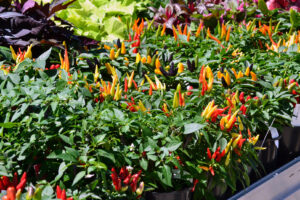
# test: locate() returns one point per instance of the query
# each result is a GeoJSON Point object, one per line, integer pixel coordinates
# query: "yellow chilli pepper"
{"type": "Point", "coordinates": [106, 47]}
{"type": "Point", "coordinates": [227, 78]}
{"type": "Point", "coordinates": [207, 108]}
{"type": "Point", "coordinates": [157, 71]}
{"type": "Point", "coordinates": [227, 159]}
{"type": "Point", "coordinates": [234, 72]}
{"type": "Point", "coordinates": [228, 146]}
{"type": "Point", "coordinates": [150, 81]}
{"type": "Point", "coordinates": [240, 75]}
{"type": "Point", "coordinates": [112, 90]}
{"type": "Point", "coordinates": [123, 49]}
{"type": "Point", "coordinates": [236, 141]}
{"type": "Point", "coordinates": [141, 106]}
{"type": "Point", "coordinates": [118, 53]}
{"type": "Point", "coordinates": [165, 108]}
{"type": "Point", "coordinates": [247, 71]}
{"type": "Point", "coordinates": [157, 64]}
{"type": "Point", "coordinates": [210, 112]}
{"type": "Point", "coordinates": [130, 79]}
{"type": "Point", "coordinates": [112, 54]}
{"type": "Point", "coordinates": [118, 93]}
{"type": "Point", "coordinates": [158, 83]}
{"type": "Point", "coordinates": [144, 60]}
{"type": "Point", "coordinates": [149, 60]}
{"type": "Point", "coordinates": [96, 74]}
{"type": "Point", "coordinates": [137, 58]}
{"type": "Point", "coordinates": [13, 53]}
{"type": "Point", "coordinates": [231, 120]}
{"type": "Point", "coordinates": [253, 76]}
{"type": "Point", "coordinates": [175, 100]}
{"type": "Point", "coordinates": [28, 53]}
{"type": "Point", "coordinates": [180, 67]}
{"type": "Point", "coordinates": [210, 76]}
{"type": "Point", "coordinates": [109, 68]}
{"type": "Point", "coordinates": [127, 62]}
{"type": "Point", "coordinates": [241, 126]}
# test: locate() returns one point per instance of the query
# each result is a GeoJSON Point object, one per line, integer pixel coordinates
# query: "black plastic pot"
{"type": "Point", "coordinates": [269, 156]}
{"type": "Point", "coordinates": [184, 194]}
{"type": "Point", "coordinates": [290, 138]}
{"type": "Point", "coordinates": [290, 144]}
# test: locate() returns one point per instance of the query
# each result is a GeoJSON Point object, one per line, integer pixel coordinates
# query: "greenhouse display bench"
{"type": "Point", "coordinates": [283, 183]}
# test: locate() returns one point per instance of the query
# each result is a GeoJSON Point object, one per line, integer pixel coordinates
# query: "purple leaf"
{"type": "Point", "coordinates": [8, 15]}
{"type": "Point", "coordinates": [28, 5]}
{"type": "Point", "coordinates": [170, 22]}
{"type": "Point", "coordinates": [59, 6]}
{"type": "Point", "coordinates": [22, 33]}
{"type": "Point", "coordinates": [152, 9]}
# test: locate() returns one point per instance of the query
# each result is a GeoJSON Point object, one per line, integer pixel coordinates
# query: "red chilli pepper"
{"type": "Point", "coordinates": [189, 88]}
{"type": "Point", "coordinates": [237, 152]}
{"type": "Point", "coordinates": [248, 98]}
{"type": "Point", "coordinates": [135, 85]}
{"type": "Point", "coordinates": [135, 179]}
{"type": "Point", "coordinates": [240, 143]}
{"type": "Point", "coordinates": [195, 183]}
{"type": "Point", "coordinates": [242, 98]}
{"type": "Point", "coordinates": [211, 170]}
{"type": "Point", "coordinates": [11, 193]}
{"type": "Point", "coordinates": [58, 192]}
{"type": "Point", "coordinates": [220, 156]}
{"type": "Point", "coordinates": [24, 176]}
{"type": "Point", "coordinates": [216, 153]}
{"type": "Point", "coordinates": [6, 181]}
{"type": "Point", "coordinates": [126, 85]}
{"type": "Point", "coordinates": [123, 173]}
{"type": "Point", "coordinates": [209, 154]}
{"type": "Point", "coordinates": [15, 179]}
{"type": "Point", "coordinates": [1, 185]}
{"type": "Point", "coordinates": [150, 90]}
{"type": "Point", "coordinates": [243, 109]}
{"type": "Point", "coordinates": [21, 185]}
{"type": "Point", "coordinates": [63, 195]}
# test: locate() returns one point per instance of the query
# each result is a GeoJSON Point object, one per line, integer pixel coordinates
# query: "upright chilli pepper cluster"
{"type": "Point", "coordinates": [206, 85]}
{"type": "Point", "coordinates": [125, 179]}
{"type": "Point", "coordinates": [14, 187]}
{"type": "Point", "coordinates": [61, 194]}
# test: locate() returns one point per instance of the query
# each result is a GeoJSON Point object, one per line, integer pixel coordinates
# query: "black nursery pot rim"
{"type": "Point", "coordinates": [183, 194]}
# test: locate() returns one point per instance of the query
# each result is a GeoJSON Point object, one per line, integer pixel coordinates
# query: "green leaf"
{"type": "Point", "coordinates": [293, 16]}
{"type": "Point", "coordinates": [119, 114]}
{"type": "Point", "coordinates": [265, 84]}
{"type": "Point", "coordinates": [41, 60]}
{"type": "Point", "coordinates": [9, 125]}
{"type": "Point", "coordinates": [66, 139]}
{"type": "Point", "coordinates": [263, 7]}
{"type": "Point", "coordinates": [54, 106]}
{"type": "Point", "coordinates": [144, 163]}
{"type": "Point", "coordinates": [167, 175]}
{"type": "Point", "coordinates": [3, 171]}
{"type": "Point", "coordinates": [193, 127]}
{"type": "Point", "coordinates": [64, 156]}
{"type": "Point", "coordinates": [15, 78]}
{"type": "Point", "coordinates": [173, 145]}
{"type": "Point", "coordinates": [85, 92]}
{"type": "Point", "coordinates": [222, 143]}
{"type": "Point", "coordinates": [78, 177]}
{"type": "Point", "coordinates": [62, 168]}
{"type": "Point", "coordinates": [105, 154]}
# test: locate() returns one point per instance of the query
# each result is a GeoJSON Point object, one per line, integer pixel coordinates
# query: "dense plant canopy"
{"type": "Point", "coordinates": [172, 104]}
